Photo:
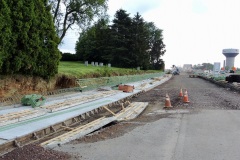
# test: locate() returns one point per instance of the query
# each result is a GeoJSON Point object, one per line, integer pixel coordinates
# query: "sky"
{"type": "Point", "coordinates": [194, 31]}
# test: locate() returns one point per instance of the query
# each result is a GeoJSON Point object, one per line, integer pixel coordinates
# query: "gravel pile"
{"type": "Point", "coordinates": [34, 152]}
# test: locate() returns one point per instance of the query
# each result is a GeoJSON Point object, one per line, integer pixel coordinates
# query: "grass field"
{"type": "Point", "coordinates": [79, 70]}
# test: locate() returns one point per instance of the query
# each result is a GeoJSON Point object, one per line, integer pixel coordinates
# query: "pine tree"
{"type": "Point", "coordinates": [94, 44]}
{"type": "Point", "coordinates": [86, 45]}
{"type": "Point", "coordinates": [49, 55]}
{"type": "Point", "coordinates": [33, 40]}
{"type": "Point", "coordinates": [157, 47]}
{"type": "Point", "coordinates": [5, 29]}
{"type": "Point", "coordinates": [121, 39]}
{"type": "Point", "coordinates": [140, 42]}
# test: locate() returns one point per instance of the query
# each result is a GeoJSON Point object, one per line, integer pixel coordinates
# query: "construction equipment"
{"type": "Point", "coordinates": [233, 78]}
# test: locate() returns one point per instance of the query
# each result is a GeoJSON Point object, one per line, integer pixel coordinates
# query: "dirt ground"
{"type": "Point", "coordinates": [202, 95]}
{"type": "Point", "coordinates": [18, 85]}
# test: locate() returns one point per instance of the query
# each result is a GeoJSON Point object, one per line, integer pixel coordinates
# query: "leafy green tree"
{"type": "Point", "coordinates": [85, 45]}
{"type": "Point", "coordinates": [204, 66]}
{"type": "Point", "coordinates": [69, 57]}
{"type": "Point", "coordinates": [207, 66]}
{"type": "Point", "coordinates": [5, 29]}
{"type": "Point", "coordinates": [121, 39]}
{"type": "Point", "coordinates": [157, 47]}
{"type": "Point", "coordinates": [67, 13]}
{"type": "Point", "coordinates": [33, 40]}
{"type": "Point", "coordinates": [94, 43]}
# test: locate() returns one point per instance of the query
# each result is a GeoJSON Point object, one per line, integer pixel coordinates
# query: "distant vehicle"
{"type": "Point", "coordinates": [175, 70]}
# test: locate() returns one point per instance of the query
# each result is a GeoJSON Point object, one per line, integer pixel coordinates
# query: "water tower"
{"type": "Point", "coordinates": [230, 56]}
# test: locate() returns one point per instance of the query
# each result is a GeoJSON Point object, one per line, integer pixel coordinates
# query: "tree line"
{"type": "Point", "coordinates": [204, 66]}
{"type": "Point", "coordinates": [127, 42]}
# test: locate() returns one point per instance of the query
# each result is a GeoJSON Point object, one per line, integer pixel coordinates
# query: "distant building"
{"type": "Point", "coordinates": [216, 67]}
{"type": "Point", "coordinates": [187, 67]}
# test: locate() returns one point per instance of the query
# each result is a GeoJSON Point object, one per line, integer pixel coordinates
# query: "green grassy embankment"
{"type": "Point", "coordinates": [79, 70]}
{"type": "Point", "coordinates": [68, 72]}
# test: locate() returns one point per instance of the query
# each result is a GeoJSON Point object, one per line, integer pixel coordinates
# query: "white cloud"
{"type": "Point", "coordinates": [69, 41]}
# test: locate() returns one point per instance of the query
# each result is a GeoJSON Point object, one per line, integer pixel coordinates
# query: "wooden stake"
{"type": "Point", "coordinates": [109, 110]}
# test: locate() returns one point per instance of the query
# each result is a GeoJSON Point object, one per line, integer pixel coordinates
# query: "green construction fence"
{"type": "Point", "coordinates": [93, 83]}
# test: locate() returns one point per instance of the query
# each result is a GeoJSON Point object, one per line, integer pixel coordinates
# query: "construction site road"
{"type": "Point", "coordinates": [206, 128]}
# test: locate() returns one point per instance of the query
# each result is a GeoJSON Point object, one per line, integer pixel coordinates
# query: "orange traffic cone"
{"type": "Point", "coordinates": [167, 102]}
{"type": "Point", "coordinates": [181, 93]}
{"type": "Point", "coordinates": [167, 96]}
{"type": "Point", "coordinates": [185, 97]}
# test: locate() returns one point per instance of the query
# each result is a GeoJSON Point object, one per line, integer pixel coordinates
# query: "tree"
{"type": "Point", "coordinates": [204, 66]}
{"type": "Point", "coordinates": [157, 47]}
{"type": "Point", "coordinates": [121, 39]}
{"type": "Point", "coordinates": [67, 13]}
{"type": "Point", "coordinates": [103, 41]}
{"type": "Point", "coordinates": [207, 66]}
{"type": "Point", "coordinates": [33, 40]}
{"type": "Point", "coordinates": [69, 57]}
{"type": "Point", "coordinates": [140, 42]}
{"type": "Point", "coordinates": [93, 44]}
{"type": "Point", "coordinates": [5, 28]}
{"type": "Point", "coordinates": [85, 45]}
{"type": "Point", "coordinates": [128, 42]}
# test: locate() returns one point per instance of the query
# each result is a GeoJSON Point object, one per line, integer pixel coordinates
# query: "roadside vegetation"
{"type": "Point", "coordinates": [79, 70]}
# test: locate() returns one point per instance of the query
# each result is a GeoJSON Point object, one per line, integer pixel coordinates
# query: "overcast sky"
{"type": "Point", "coordinates": [194, 31]}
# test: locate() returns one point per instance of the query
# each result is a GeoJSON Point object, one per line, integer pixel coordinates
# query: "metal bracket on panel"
{"type": "Point", "coordinates": [17, 144]}
{"type": "Point", "coordinates": [122, 106]}
{"type": "Point", "coordinates": [96, 110]}
{"type": "Point", "coordinates": [83, 116]}
{"type": "Point", "coordinates": [74, 120]}
{"type": "Point", "coordinates": [35, 136]}
{"type": "Point", "coordinates": [52, 128]}
{"type": "Point", "coordinates": [64, 124]}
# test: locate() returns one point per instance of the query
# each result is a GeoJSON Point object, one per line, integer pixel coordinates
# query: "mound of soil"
{"type": "Point", "coordinates": [19, 85]}
{"type": "Point", "coordinates": [34, 152]}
